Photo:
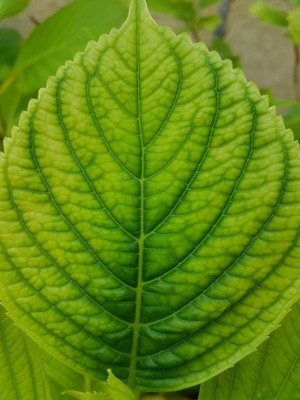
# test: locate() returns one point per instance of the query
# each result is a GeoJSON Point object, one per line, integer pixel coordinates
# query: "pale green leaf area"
{"type": "Point", "coordinates": [61, 36]}
{"type": "Point", "coordinates": [113, 389]}
{"type": "Point", "coordinates": [9, 8]}
{"type": "Point", "coordinates": [294, 24]}
{"type": "Point", "coordinates": [149, 211]}
{"type": "Point", "coordinates": [271, 373]}
{"type": "Point", "coordinates": [269, 15]}
{"type": "Point", "coordinates": [21, 372]}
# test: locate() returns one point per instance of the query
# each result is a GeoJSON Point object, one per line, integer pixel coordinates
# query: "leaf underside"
{"type": "Point", "coordinates": [149, 211]}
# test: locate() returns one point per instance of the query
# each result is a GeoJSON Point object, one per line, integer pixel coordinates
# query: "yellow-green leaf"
{"type": "Point", "coordinates": [21, 372]}
{"type": "Point", "coordinates": [149, 211]}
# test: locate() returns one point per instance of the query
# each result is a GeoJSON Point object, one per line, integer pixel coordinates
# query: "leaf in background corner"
{"type": "Point", "coordinates": [61, 36]}
{"type": "Point", "coordinates": [149, 211]}
{"type": "Point", "coordinates": [10, 43]}
{"type": "Point", "coordinates": [269, 15]}
{"type": "Point", "coordinates": [21, 372]}
{"type": "Point", "coordinates": [9, 8]}
{"type": "Point", "coordinates": [272, 372]}
{"type": "Point", "coordinates": [294, 24]}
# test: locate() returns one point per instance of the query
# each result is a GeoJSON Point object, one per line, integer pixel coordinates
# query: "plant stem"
{"type": "Point", "coordinates": [297, 71]}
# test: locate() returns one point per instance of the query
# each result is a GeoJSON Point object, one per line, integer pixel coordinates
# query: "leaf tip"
{"type": "Point", "coordinates": [138, 9]}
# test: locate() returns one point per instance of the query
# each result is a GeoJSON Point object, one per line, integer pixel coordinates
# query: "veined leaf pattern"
{"type": "Point", "coordinates": [149, 211]}
{"type": "Point", "coordinates": [21, 372]}
{"type": "Point", "coordinates": [271, 373]}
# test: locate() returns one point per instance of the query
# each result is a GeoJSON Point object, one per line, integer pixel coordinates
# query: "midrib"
{"type": "Point", "coordinates": [139, 289]}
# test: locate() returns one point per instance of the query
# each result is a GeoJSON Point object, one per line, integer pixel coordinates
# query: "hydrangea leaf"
{"type": "Point", "coordinates": [9, 8]}
{"type": "Point", "coordinates": [270, 373]}
{"type": "Point", "coordinates": [294, 24]}
{"type": "Point", "coordinates": [149, 211]}
{"type": "Point", "coordinates": [113, 389]}
{"type": "Point", "coordinates": [21, 371]}
{"type": "Point", "coordinates": [269, 15]}
{"type": "Point", "coordinates": [60, 37]}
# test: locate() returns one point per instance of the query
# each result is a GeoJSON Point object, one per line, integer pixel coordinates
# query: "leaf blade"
{"type": "Point", "coordinates": [163, 223]}
{"type": "Point", "coordinates": [251, 377]}
{"type": "Point", "coordinates": [21, 372]}
{"type": "Point", "coordinates": [9, 8]}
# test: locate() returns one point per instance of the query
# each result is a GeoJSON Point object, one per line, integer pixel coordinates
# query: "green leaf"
{"type": "Point", "coordinates": [149, 211]}
{"type": "Point", "coordinates": [225, 51]}
{"type": "Point", "coordinates": [269, 15]}
{"type": "Point", "coordinates": [270, 373]}
{"type": "Point", "coordinates": [183, 10]}
{"type": "Point", "coordinates": [209, 21]}
{"type": "Point", "coordinates": [21, 372]}
{"type": "Point", "coordinates": [207, 3]}
{"type": "Point", "coordinates": [294, 24]}
{"type": "Point", "coordinates": [61, 36]}
{"type": "Point", "coordinates": [61, 377]}
{"type": "Point", "coordinates": [292, 119]}
{"type": "Point", "coordinates": [113, 389]}
{"type": "Point", "coordinates": [10, 42]}
{"type": "Point", "coordinates": [11, 7]}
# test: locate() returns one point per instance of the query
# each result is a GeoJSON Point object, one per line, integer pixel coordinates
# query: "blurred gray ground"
{"type": "Point", "coordinates": [266, 54]}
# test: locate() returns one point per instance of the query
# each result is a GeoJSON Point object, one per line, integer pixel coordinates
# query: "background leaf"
{"type": "Point", "coordinates": [149, 212]}
{"type": "Point", "coordinates": [269, 15]}
{"type": "Point", "coordinates": [61, 36]}
{"type": "Point", "coordinates": [11, 7]}
{"type": "Point", "coordinates": [294, 24]}
{"type": "Point", "coordinates": [10, 43]}
{"type": "Point", "coordinates": [21, 372]}
{"type": "Point", "coordinates": [183, 10]}
{"type": "Point", "coordinates": [207, 3]}
{"type": "Point", "coordinates": [270, 373]}
{"type": "Point", "coordinates": [61, 377]}
{"type": "Point", "coordinates": [112, 389]}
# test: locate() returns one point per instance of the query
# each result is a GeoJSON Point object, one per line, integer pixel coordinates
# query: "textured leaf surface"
{"type": "Point", "coordinates": [21, 372]}
{"type": "Point", "coordinates": [271, 373]}
{"type": "Point", "coordinates": [11, 7]}
{"type": "Point", "coordinates": [61, 36]}
{"type": "Point", "coordinates": [149, 211]}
